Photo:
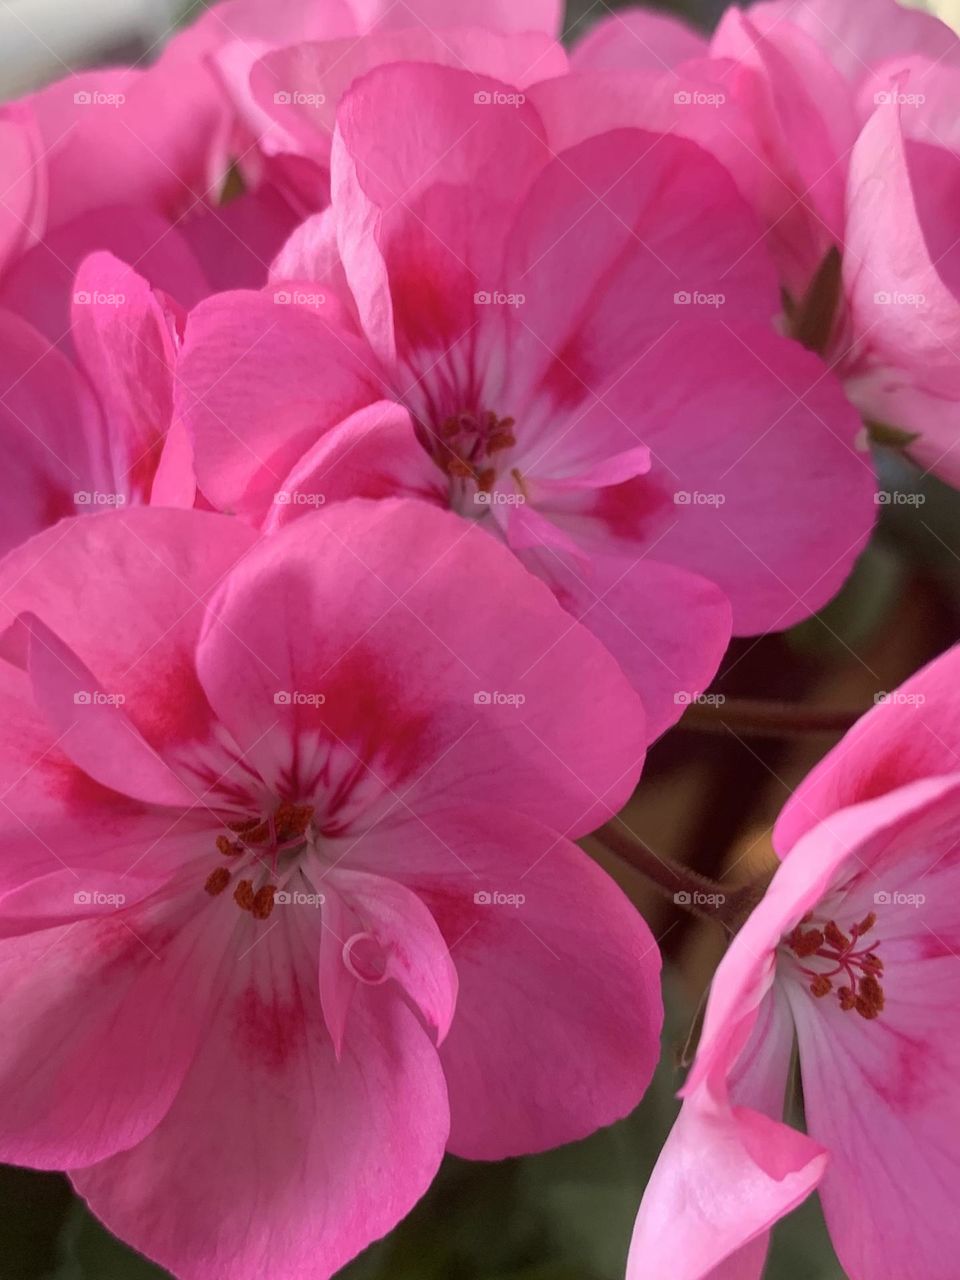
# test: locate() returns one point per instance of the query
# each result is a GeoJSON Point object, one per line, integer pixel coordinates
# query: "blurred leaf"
{"type": "Point", "coordinates": [90, 1252]}
{"type": "Point", "coordinates": [34, 1208]}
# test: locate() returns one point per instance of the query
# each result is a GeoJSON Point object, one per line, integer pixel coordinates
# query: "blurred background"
{"type": "Point", "coordinates": [709, 796]}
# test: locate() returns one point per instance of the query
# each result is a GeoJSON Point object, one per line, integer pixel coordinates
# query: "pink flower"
{"type": "Point", "coordinates": [573, 350]}
{"type": "Point", "coordinates": [97, 433]}
{"type": "Point", "coordinates": [291, 900]}
{"type": "Point", "coordinates": [853, 954]}
{"type": "Point", "coordinates": [838, 123]}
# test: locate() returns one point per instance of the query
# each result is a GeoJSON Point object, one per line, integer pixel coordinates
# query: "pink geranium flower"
{"type": "Point", "coordinates": [570, 349]}
{"type": "Point", "coordinates": [291, 903]}
{"type": "Point", "coordinates": [838, 123]}
{"type": "Point", "coordinates": [97, 431]}
{"type": "Point", "coordinates": [852, 956]}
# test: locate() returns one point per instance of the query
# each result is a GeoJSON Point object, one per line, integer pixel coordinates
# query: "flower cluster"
{"type": "Point", "coordinates": [401, 414]}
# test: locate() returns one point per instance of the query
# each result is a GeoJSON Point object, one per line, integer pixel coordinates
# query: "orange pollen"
{"type": "Point", "coordinates": [862, 968]}
{"type": "Point", "coordinates": [244, 896]}
{"type": "Point", "coordinates": [263, 901]}
{"type": "Point", "coordinates": [229, 848]}
{"type": "Point", "coordinates": [217, 881]}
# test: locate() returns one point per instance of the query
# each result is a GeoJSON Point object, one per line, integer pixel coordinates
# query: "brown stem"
{"type": "Point", "coordinates": [688, 889]}
{"type": "Point", "coordinates": [763, 718]}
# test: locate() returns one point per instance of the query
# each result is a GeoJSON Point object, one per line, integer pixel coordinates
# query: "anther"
{"type": "Point", "coordinates": [244, 896]}
{"type": "Point", "coordinates": [217, 881]}
{"type": "Point", "coordinates": [263, 901]}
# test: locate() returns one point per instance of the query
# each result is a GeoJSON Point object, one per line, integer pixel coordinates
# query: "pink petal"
{"type": "Point", "coordinates": [756, 483]}
{"type": "Point", "coordinates": [667, 627]}
{"type": "Point", "coordinates": [97, 1058]}
{"type": "Point", "coordinates": [258, 382]}
{"type": "Point", "coordinates": [394, 612]}
{"type": "Point", "coordinates": [301, 87]}
{"type": "Point", "coordinates": [414, 250]}
{"type": "Point", "coordinates": [372, 454]}
{"type": "Point", "coordinates": [729, 1169]}
{"type": "Point", "coordinates": [153, 569]}
{"type": "Point", "coordinates": [125, 341]}
{"type": "Point", "coordinates": [881, 1094]}
{"type": "Point", "coordinates": [40, 286]}
{"type": "Point", "coordinates": [412, 947]}
{"type": "Point", "coordinates": [92, 727]}
{"type": "Point", "coordinates": [558, 1013]}
{"type": "Point", "coordinates": [23, 178]}
{"type": "Point", "coordinates": [497, 15]}
{"type": "Point", "coordinates": [268, 1121]}
{"type": "Point", "coordinates": [911, 734]}
{"type": "Point", "coordinates": [52, 430]}
{"type": "Point", "coordinates": [635, 38]}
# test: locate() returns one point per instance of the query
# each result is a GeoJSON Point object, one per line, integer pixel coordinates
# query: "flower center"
{"type": "Point", "coordinates": [466, 448]}
{"type": "Point", "coordinates": [257, 845]}
{"type": "Point", "coordinates": [841, 956]}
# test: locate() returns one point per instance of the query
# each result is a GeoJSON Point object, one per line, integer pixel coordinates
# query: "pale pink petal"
{"type": "Point", "coordinates": [497, 15]}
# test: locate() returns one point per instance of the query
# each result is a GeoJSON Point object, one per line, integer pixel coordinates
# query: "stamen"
{"type": "Point", "coordinates": [244, 896]}
{"type": "Point", "coordinates": [861, 968]}
{"type": "Point", "coordinates": [263, 901]}
{"type": "Point", "coordinates": [229, 848]}
{"type": "Point", "coordinates": [217, 881]}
